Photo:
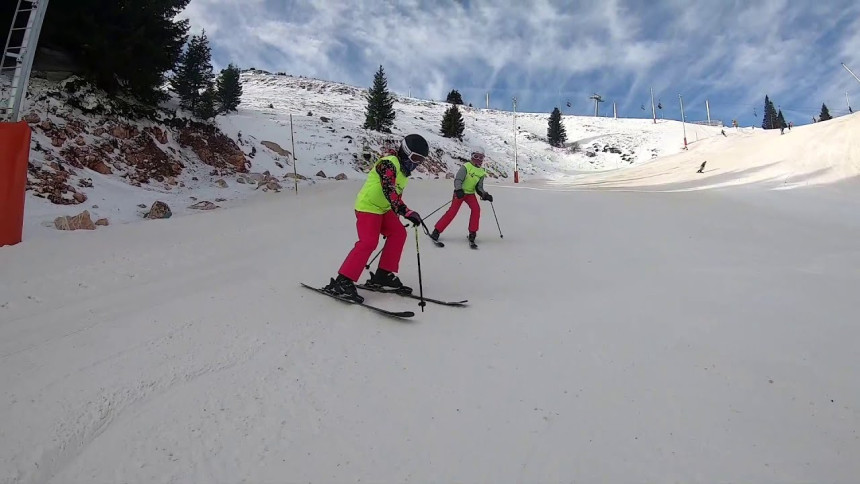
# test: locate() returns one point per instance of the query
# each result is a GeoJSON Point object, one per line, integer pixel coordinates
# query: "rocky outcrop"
{"type": "Point", "coordinates": [148, 160]}
{"type": "Point", "coordinates": [213, 147]}
{"type": "Point", "coordinates": [271, 185]}
{"type": "Point", "coordinates": [123, 131]}
{"type": "Point", "coordinates": [204, 205]}
{"type": "Point", "coordinates": [52, 183]}
{"type": "Point", "coordinates": [32, 118]}
{"type": "Point", "coordinates": [89, 157]}
{"type": "Point", "coordinates": [276, 148]}
{"type": "Point", "coordinates": [263, 180]}
{"type": "Point", "coordinates": [81, 221]}
{"type": "Point", "coordinates": [159, 210]}
{"type": "Point", "coordinates": [159, 134]}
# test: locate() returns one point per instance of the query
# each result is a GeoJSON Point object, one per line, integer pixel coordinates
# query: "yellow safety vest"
{"type": "Point", "coordinates": [371, 198]}
{"type": "Point", "coordinates": [473, 176]}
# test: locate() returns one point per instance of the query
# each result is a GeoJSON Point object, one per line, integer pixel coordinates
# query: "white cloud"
{"type": "Point", "coordinates": [729, 49]}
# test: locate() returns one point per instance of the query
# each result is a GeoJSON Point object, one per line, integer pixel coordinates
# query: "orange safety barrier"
{"type": "Point", "coordinates": [14, 156]}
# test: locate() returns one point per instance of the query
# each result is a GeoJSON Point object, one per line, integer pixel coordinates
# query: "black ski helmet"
{"type": "Point", "coordinates": [417, 144]}
{"type": "Point", "coordinates": [412, 143]}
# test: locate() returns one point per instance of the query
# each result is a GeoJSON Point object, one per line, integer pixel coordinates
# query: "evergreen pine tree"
{"type": "Point", "coordinates": [769, 120]}
{"type": "Point", "coordinates": [781, 120]}
{"type": "Point", "coordinates": [825, 113]}
{"type": "Point", "coordinates": [121, 45]}
{"type": "Point", "coordinates": [379, 113]}
{"type": "Point", "coordinates": [205, 107]}
{"type": "Point", "coordinates": [555, 132]}
{"type": "Point", "coordinates": [454, 97]}
{"type": "Point", "coordinates": [453, 124]}
{"type": "Point", "coordinates": [193, 72]}
{"type": "Point", "coordinates": [229, 89]}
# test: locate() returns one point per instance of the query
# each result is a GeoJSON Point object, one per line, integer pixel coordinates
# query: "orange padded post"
{"type": "Point", "coordinates": [14, 156]}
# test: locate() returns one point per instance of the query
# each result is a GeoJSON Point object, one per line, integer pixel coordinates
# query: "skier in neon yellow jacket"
{"type": "Point", "coordinates": [468, 182]}
{"type": "Point", "coordinates": [377, 206]}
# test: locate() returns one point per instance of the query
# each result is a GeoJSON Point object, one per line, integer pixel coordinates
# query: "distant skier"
{"type": "Point", "coordinates": [468, 182]}
{"type": "Point", "coordinates": [377, 206]}
{"type": "Point", "coordinates": [702, 168]}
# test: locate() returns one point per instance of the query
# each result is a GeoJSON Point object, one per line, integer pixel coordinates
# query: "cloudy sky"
{"type": "Point", "coordinates": [548, 53]}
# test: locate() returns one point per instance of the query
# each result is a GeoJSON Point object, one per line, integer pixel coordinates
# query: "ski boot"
{"type": "Point", "coordinates": [471, 237]}
{"type": "Point", "coordinates": [344, 288]}
{"type": "Point", "coordinates": [435, 235]}
{"type": "Point", "coordinates": [383, 279]}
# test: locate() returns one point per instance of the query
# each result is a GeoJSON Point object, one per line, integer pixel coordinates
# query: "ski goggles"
{"type": "Point", "coordinates": [415, 157]}
{"type": "Point", "coordinates": [478, 157]}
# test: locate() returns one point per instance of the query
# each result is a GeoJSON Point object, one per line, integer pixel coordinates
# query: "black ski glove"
{"type": "Point", "coordinates": [486, 196]}
{"type": "Point", "coordinates": [413, 217]}
{"type": "Point", "coordinates": [459, 193]}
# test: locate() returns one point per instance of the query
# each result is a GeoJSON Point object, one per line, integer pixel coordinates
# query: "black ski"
{"type": "Point", "coordinates": [395, 314]}
{"type": "Point", "coordinates": [436, 242]}
{"type": "Point", "coordinates": [413, 296]}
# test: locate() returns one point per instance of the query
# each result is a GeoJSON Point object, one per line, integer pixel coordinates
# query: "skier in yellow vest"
{"type": "Point", "coordinates": [468, 182]}
{"type": "Point", "coordinates": [376, 209]}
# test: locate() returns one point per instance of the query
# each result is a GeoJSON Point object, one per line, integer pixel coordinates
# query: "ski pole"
{"type": "Point", "coordinates": [426, 230]}
{"type": "Point", "coordinates": [377, 255]}
{"type": "Point", "coordinates": [440, 208]}
{"type": "Point", "coordinates": [497, 221]}
{"type": "Point", "coordinates": [420, 283]}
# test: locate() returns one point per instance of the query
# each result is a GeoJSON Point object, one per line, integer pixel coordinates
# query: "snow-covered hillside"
{"type": "Point", "coordinates": [88, 156]}
{"type": "Point", "coordinates": [331, 146]}
{"type": "Point", "coordinates": [811, 155]}
{"type": "Point", "coordinates": [605, 143]}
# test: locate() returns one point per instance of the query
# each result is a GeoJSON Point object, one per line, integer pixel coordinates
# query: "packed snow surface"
{"type": "Point", "coordinates": [698, 337]}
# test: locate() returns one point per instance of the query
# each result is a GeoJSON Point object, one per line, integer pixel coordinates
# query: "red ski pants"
{"type": "Point", "coordinates": [472, 201]}
{"type": "Point", "coordinates": [370, 226]}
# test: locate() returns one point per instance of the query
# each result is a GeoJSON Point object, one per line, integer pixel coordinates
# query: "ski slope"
{"type": "Point", "coordinates": [807, 156]}
{"type": "Point", "coordinates": [610, 337]}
